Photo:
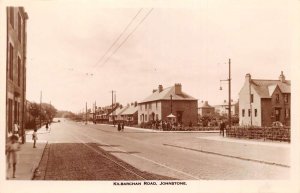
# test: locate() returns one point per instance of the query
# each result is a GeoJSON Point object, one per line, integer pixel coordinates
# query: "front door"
{"type": "Point", "coordinates": [179, 116]}
{"type": "Point", "coordinates": [277, 114]}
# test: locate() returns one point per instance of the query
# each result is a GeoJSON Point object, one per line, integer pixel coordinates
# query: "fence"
{"type": "Point", "coordinates": [265, 133]}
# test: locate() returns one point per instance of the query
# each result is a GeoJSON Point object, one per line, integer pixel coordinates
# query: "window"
{"type": "Point", "coordinates": [19, 27]}
{"type": "Point", "coordinates": [156, 105]}
{"type": "Point", "coordinates": [19, 71]}
{"type": "Point", "coordinates": [287, 113]}
{"type": "Point", "coordinates": [249, 112]}
{"type": "Point", "coordinates": [10, 116]}
{"type": "Point", "coordinates": [141, 107]}
{"type": "Point", "coordinates": [252, 98]}
{"type": "Point", "coordinates": [150, 104]}
{"type": "Point", "coordinates": [145, 117]}
{"type": "Point", "coordinates": [11, 62]}
{"type": "Point", "coordinates": [141, 118]}
{"type": "Point", "coordinates": [286, 98]}
{"type": "Point", "coordinates": [11, 17]}
{"type": "Point", "coordinates": [277, 98]}
{"type": "Point", "coordinates": [255, 112]}
{"type": "Point", "coordinates": [156, 116]}
{"type": "Point", "coordinates": [243, 112]}
{"type": "Point", "coordinates": [146, 106]}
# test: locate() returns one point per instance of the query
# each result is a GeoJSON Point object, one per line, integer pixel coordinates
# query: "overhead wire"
{"type": "Point", "coordinates": [118, 38]}
{"type": "Point", "coordinates": [130, 34]}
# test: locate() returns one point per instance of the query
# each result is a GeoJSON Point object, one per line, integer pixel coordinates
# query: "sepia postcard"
{"type": "Point", "coordinates": [149, 96]}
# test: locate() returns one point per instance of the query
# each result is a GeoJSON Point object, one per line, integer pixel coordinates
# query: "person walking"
{"type": "Point", "coordinates": [47, 126]}
{"type": "Point", "coordinates": [222, 127]}
{"type": "Point", "coordinates": [12, 149]}
{"type": "Point", "coordinates": [122, 126]}
{"type": "Point", "coordinates": [34, 137]}
{"type": "Point", "coordinates": [119, 127]}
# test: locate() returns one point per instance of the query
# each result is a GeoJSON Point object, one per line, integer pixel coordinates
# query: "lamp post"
{"type": "Point", "coordinates": [171, 103]}
{"type": "Point", "coordinates": [229, 93]}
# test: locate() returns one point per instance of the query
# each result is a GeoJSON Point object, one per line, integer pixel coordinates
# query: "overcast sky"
{"type": "Point", "coordinates": [188, 45]}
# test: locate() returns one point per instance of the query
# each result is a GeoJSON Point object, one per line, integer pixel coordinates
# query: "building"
{"type": "Point", "coordinates": [205, 109]}
{"type": "Point", "coordinates": [262, 102]}
{"type": "Point", "coordinates": [163, 102]}
{"type": "Point", "coordinates": [115, 115]}
{"type": "Point", "coordinates": [130, 115]}
{"type": "Point", "coordinates": [16, 70]}
{"type": "Point", "coordinates": [222, 109]}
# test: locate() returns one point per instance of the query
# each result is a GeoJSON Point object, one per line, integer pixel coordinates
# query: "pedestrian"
{"type": "Point", "coordinates": [119, 127]}
{"type": "Point", "coordinates": [47, 126]}
{"type": "Point", "coordinates": [222, 127]}
{"type": "Point", "coordinates": [122, 126]}
{"type": "Point", "coordinates": [34, 137]}
{"type": "Point", "coordinates": [16, 129]}
{"type": "Point", "coordinates": [12, 149]}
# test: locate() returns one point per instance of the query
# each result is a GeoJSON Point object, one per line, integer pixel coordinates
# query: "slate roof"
{"type": "Point", "coordinates": [265, 88]}
{"type": "Point", "coordinates": [165, 95]}
{"type": "Point", "coordinates": [130, 110]}
{"type": "Point", "coordinates": [119, 110]}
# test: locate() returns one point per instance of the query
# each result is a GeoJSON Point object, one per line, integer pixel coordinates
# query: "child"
{"type": "Point", "coordinates": [34, 138]}
{"type": "Point", "coordinates": [13, 148]}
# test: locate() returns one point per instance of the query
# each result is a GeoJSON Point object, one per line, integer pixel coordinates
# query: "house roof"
{"type": "Point", "coordinates": [119, 110]}
{"type": "Point", "coordinates": [205, 105]}
{"type": "Point", "coordinates": [265, 88]}
{"type": "Point", "coordinates": [165, 95]}
{"type": "Point", "coordinates": [130, 110]}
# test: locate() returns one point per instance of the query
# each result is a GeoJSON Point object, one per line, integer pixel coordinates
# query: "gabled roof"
{"type": "Point", "coordinates": [119, 110]}
{"type": "Point", "coordinates": [205, 105]}
{"type": "Point", "coordinates": [165, 95]}
{"type": "Point", "coordinates": [130, 110]}
{"type": "Point", "coordinates": [265, 88]}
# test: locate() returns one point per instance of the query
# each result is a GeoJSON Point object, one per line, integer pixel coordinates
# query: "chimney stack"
{"type": "Point", "coordinates": [178, 90]}
{"type": "Point", "coordinates": [160, 88]}
{"type": "Point", "coordinates": [154, 90]}
{"type": "Point", "coordinates": [282, 77]}
{"type": "Point", "coordinates": [248, 78]}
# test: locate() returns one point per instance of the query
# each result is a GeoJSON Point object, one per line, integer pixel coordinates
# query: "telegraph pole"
{"type": "Point", "coordinates": [85, 112]}
{"type": "Point", "coordinates": [229, 94]}
{"type": "Point", "coordinates": [171, 103]}
{"type": "Point", "coordinates": [41, 109]}
{"type": "Point", "coordinates": [112, 105]}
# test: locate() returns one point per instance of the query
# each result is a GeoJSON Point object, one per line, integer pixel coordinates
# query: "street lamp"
{"type": "Point", "coordinates": [229, 93]}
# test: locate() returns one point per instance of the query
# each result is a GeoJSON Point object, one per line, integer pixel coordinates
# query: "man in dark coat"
{"type": "Point", "coordinates": [222, 127]}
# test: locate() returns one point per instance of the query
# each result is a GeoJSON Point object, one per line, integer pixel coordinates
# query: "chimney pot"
{"type": "Point", "coordinates": [160, 88]}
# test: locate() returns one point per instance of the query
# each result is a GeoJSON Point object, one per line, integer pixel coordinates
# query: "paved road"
{"type": "Point", "coordinates": [146, 151]}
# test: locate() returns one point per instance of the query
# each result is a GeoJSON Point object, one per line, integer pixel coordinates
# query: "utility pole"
{"type": "Point", "coordinates": [229, 94]}
{"type": "Point", "coordinates": [112, 105]}
{"type": "Point", "coordinates": [41, 109]}
{"type": "Point", "coordinates": [171, 103]}
{"type": "Point", "coordinates": [85, 112]}
{"type": "Point", "coordinates": [250, 97]}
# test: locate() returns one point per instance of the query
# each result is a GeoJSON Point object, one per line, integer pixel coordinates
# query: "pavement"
{"type": "Point", "coordinates": [252, 151]}
{"type": "Point", "coordinates": [29, 157]}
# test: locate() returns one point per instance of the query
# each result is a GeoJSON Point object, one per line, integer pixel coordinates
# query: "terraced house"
{"type": "Point", "coordinates": [262, 102]}
{"type": "Point", "coordinates": [163, 102]}
{"type": "Point", "coordinates": [16, 69]}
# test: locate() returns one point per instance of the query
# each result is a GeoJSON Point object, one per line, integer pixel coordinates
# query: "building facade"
{"type": "Point", "coordinates": [222, 109]}
{"type": "Point", "coordinates": [16, 70]}
{"type": "Point", "coordinates": [163, 102]}
{"type": "Point", "coordinates": [263, 102]}
{"type": "Point", "coordinates": [205, 109]}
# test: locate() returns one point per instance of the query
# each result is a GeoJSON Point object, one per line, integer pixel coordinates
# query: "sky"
{"type": "Point", "coordinates": [188, 44]}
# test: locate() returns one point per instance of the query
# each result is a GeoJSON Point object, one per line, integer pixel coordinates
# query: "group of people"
{"type": "Point", "coordinates": [121, 126]}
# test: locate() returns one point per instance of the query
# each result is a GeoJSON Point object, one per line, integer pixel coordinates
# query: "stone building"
{"type": "Point", "coordinates": [16, 69]}
{"type": "Point", "coordinates": [262, 102]}
{"type": "Point", "coordinates": [165, 101]}
{"type": "Point", "coordinates": [222, 109]}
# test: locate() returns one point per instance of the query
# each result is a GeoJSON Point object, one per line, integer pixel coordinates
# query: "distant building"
{"type": "Point", "coordinates": [159, 105]}
{"type": "Point", "coordinates": [222, 109]}
{"type": "Point", "coordinates": [130, 115]}
{"type": "Point", "coordinates": [16, 70]}
{"type": "Point", "coordinates": [205, 109]}
{"type": "Point", "coordinates": [264, 101]}
{"type": "Point", "coordinates": [116, 113]}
